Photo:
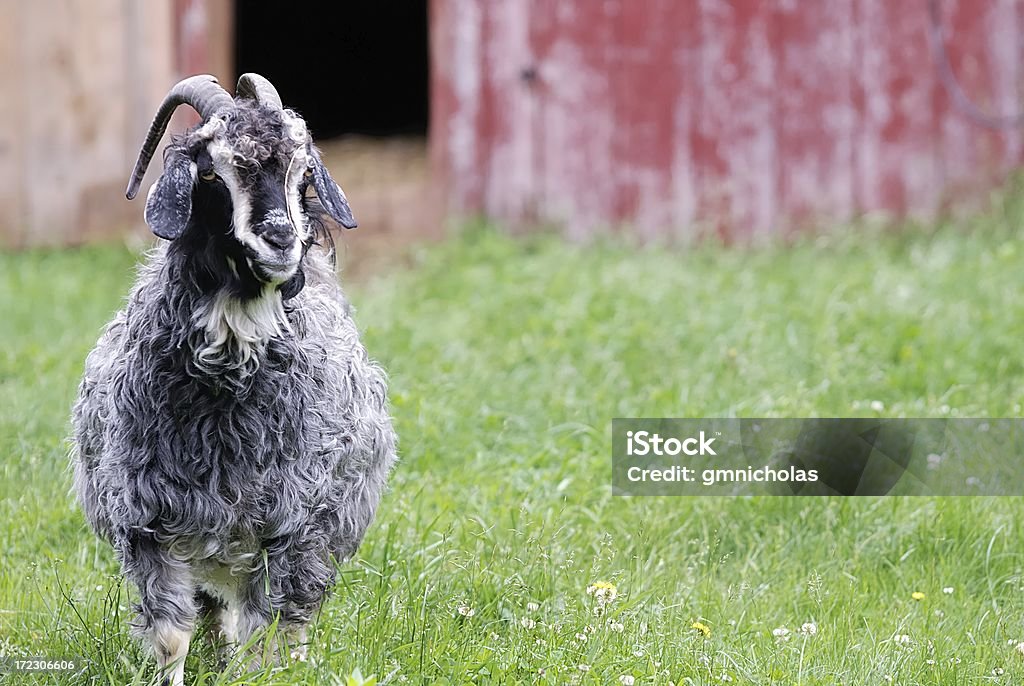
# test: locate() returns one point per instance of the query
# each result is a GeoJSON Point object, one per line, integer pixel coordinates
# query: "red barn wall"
{"type": "Point", "coordinates": [742, 118]}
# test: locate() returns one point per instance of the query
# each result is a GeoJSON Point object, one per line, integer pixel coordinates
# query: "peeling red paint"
{"type": "Point", "coordinates": [741, 118]}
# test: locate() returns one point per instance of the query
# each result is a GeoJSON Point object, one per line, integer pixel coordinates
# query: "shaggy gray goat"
{"type": "Point", "coordinates": [231, 436]}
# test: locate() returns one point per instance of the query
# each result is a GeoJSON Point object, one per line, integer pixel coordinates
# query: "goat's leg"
{"type": "Point", "coordinates": [289, 588]}
{"type": "Point", "coordinates": [298, 644]}
{"type": "Point", "coordinates": [167, 608]}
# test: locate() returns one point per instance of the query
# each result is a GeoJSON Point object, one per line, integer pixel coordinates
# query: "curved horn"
{"type": "Point", "coordinates": [201, 92]}
{"type": "Point", "coordinates": [256, 87]}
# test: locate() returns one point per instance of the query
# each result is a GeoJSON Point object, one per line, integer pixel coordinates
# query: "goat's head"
{"type": "Point", "coordinates": [241, 176]}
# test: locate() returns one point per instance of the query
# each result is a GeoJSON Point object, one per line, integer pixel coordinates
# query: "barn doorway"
{"type": "Point", "coordinates": [348, 68]}
{"type": "Point", "coordinates": [358, 73]}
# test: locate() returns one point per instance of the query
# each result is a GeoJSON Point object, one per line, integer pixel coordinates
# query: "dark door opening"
{"type": "Point", "coordinates": [346, 67]}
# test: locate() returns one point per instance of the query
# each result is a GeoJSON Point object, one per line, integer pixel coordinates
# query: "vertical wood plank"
{"type": "Point", "coordinates": [574, 125]}
{"type": "Point", "coordinates": [982, 43]}
{"type": "Point", "coordinates": [651, 64]}
{"type": "Point", "coordinates": [508, 111]}
{"type": "Point", "coordinates": [12, 125]}
{"type": "Point", "coordinates": [816, 113]}
{"type": "Point", "coordinates": [738, 133]}
{"type": "Point", "coordinates": [897, 164]}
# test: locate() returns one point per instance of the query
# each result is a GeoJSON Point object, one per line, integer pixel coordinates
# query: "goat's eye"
{"type": "Point", "coordinates": [208, 175]}
{"type": "Point", "coordinates": [308, 173]}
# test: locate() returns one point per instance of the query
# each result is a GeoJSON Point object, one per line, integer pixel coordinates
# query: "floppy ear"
{"type": "Point", "coordinates": [331, 196]}
{"type": "Point", "coordinates": [169, 203]}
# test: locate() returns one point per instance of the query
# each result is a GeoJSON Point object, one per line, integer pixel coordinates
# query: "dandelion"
{"type": "Point", "coordinates": [604, 592]}
{"type": "Point", "coordinates": [917, 595]}
{"type": "Point", "coordinates": [541, 672]}
{"type": "Point", "coordinates": [582, 638]}
{"type": "Point", "coordinates": [701, 628]}
{"type": "Point", "coordinates": [948, 590]}
{"type": "Point", "coordinates": [466, 611]}
{"type": "Point", "coordinates": [808, 628]}
{"type": "Point", "coordinates": [532, 607]}
{"type": "Point", "coordinates": [998, 671]}
{"type": "Point", "coordinates": [617, 627]}
{"type": "Point", "coordinates": [781, 633]}
{"type": "Point", "coordinates": [527, 623]}
{"type": "Point", "coordinates": [627, 680]}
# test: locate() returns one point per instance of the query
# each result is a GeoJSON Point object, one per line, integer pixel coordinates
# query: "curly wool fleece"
{"type": "Point", "coordinates": [231, 479]}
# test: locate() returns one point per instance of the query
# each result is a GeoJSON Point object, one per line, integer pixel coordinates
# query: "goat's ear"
{"type": "Point", "coordinates": [169, 203]}
{"type": "Point", "coordinates": [331, 196]}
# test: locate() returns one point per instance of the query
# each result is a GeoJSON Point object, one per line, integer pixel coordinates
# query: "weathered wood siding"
{"type": "Point", "coordinates": [678, 117]}
{"type": "Point", "coordinates": [81, 80]}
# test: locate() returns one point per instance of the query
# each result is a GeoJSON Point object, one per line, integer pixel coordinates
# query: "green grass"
{"type": "Point", "coordinates": [508, 360]}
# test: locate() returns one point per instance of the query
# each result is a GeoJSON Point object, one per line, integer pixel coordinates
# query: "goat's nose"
{"type": "Point", "coordinates": [278, 236]}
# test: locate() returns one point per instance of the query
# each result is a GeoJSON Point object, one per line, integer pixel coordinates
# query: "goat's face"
{"type": "Point", "coordinates": [244, 180]}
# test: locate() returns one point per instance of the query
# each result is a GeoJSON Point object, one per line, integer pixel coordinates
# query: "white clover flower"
{"type": "Point", "coordinates": [466, 611]}
{"type": "Point", "coordinates": [617, 627]}
{"type": "Point", "coordinates": [1020, 647]}
{"type": "Point", "coordinates": [627, 680]}
{"type": "Point", "coordinates": [532, 607]}
{"type": "Point", "coordinates": [809, 628]}
{"type": "Point", "coordinates": [901, 639]}
{"type": "Point", "coordinates": [781, 633]}
{"type": "Point", "coordinates": [581, 637]}
{"type": "Point", "coordinates": [948, 590]}
{"type": "Point", "coordinates": [527, 623]}
{"type": "Point", "coordinates": [604, 592]}
{"type": "Point", "coordinates": [877, 406]}
{"type": "Point", "coordinates": [583, 668]}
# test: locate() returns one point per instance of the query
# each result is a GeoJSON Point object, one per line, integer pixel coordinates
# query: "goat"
{"type": "Point", "coordinates": [231, 438]}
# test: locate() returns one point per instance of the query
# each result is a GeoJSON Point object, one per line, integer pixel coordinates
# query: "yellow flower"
{"type": "Point", "coordinates": [917, 595]}
{"type": "Point", "coordinates": [701, 628]}
{"type": "Point", "coordinates": [603, 591]}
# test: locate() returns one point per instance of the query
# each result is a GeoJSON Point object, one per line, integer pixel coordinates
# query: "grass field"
{"type": "Point", "coordinates": [508, 360]}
